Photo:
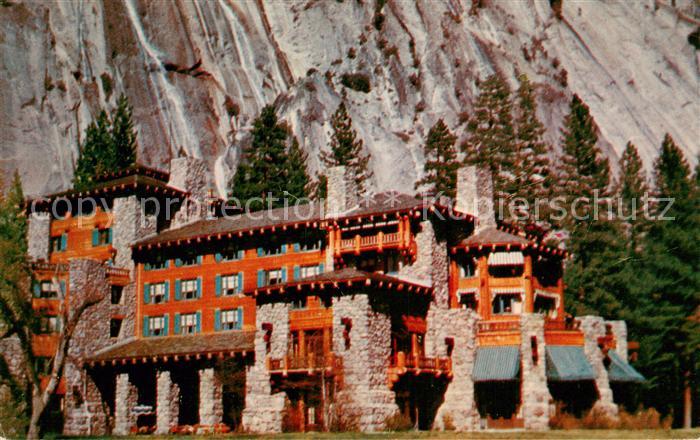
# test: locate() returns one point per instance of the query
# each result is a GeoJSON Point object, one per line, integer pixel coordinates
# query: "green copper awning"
{"type": "Point", "coordinates": [621, 371]}
{"type": "Point", "coordinates": [567, 363]}
{"type": "Point", "coordinates": [496, 363]}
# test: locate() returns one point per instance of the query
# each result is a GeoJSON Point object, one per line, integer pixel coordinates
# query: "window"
{"type": "Point", "coordinates": [230, 254]}
{"type": "Point", "coordinates": [272, 247]}
{"type": "Point", "coordinates": [47, 289]}
{"type": "Point", "coordinates": [467, 269]}
{"type": "Point", "coordinates": [468, 301]}
{"type": "Point", "coordinates": [506, 271]}
{"type": "Point", "coordinates": [545, 305]}
{"type": "Point", "coordinates": [507, 304]}
{"type": "Point", "coordinates": [308, 241]}
{"type": "Point", "coordinates": [273, 276]}
{"type": "Point", "coordinates": [231, 319]}
{"type": "Point", "coordinates": [311, 413]}
{"type": "Point", "coordinates": [116, 294]}
{"type": "Point", "coordinates": [299, 303]}
{"type": "Point", "coordinates": [59, 243]}
{"type": "Point", "coordinates": [309, 271]}
{"type": "Point", "coordinates": [188, 289]}
{"type": "Point", "coordinates": [156, 293]}
{"type": "Point", "coordinates": [189, 260]}
{"type": "Point", "coordinates": [156, 264]}
{"type": "Point", "coordinates": [156, 326]}
{"type": "Point", "coordinates": [49, 324]}
{"type": "Point", "coordinates": [231, 284]}
{"type": "Point", "coordinates": [189, 324]}
{"type": "Point", "coordinates": [115, 326]}
{"type": "Point", "coordinates": [101, 237]}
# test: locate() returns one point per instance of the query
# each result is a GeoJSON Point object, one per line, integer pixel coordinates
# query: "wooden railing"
{"type": "Point", "coordinates": [117, 272]}
{"type": "Point", "coordinates": [402, 361]}
{"type": "Point", "coordinates": [309, 363]}
{"type": "Point", "coordinates": [49, 267]}
{"type": "Point", "coordinates": [378, 241]}
{"type": "Point", "coordinates": [561, 325]}
{"type": "Point", "coordinates": [498, 326]}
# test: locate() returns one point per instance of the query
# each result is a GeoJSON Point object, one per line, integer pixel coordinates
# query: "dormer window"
{"type": "Point", "coordinates": [506, 264]}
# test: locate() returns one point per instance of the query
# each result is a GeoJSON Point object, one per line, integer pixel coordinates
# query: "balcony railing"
{"type": "Point", "coordinates": [562, 325]}
{"type": "Point", "coordinates": [308, 363]}
{"type": "Point", "coordinates": [499, 326]}
{"type": "Point", "coordinates": [117, 272]}
{"type": "Point", "coordinates": [406, 362]}
{"type": "Point", "coordinates": [370, 242]}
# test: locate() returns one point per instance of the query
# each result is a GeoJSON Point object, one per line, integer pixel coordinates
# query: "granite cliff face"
{"type": "Point", "coordinates": [197, 73]}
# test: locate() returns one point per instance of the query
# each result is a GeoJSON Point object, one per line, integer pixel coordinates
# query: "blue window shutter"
{"type": "Point", "coordinates": [297, 273]}
{"type": "Point", "coordinates": [284, 248]}
{"type": "Point", "coordinates": [240, 282]}
{"type": "Point", "coordinates": [284, 274]}
{"type": "Point", "coordinates": [109, 238]}
{"type": "Point", "coordinates": [62, 293]}
{"type": "Point", "coordinates": [296, 247]}
{"type": "Point", "coordinates": [218, 257]}
{"type": "Point", "coordinates": [176, 324]}
{"type": "Point", "coordinates": [240, 318]}
{"type": "Point", "coordinates": [199, 322]}
{"type": "Point", "coordinates": [37, 289]}
{"type": "Point", "coordinates": [167, 264]}
{"type": "Point", "coordinates": [260, 252]}
{"type": "Point", "coordinates": [147, 266]}
{"type": "Point", "coordinates": [167, 291]}
{"type": "Point", "coordinates": [165, 325]}
{"type": "Point", "coordinates": [178, 262]}
{"type": "Point", "coordinates": [320, 267]}
{"type": "Point", "coordinates": [146, 293]}
{"type": "Point", "coordinates": [261, 277]}
{"type": "Point", "coordinates": [64, 241]}
{"type": "Point", "coordinates": [199, 259]}
{"type": "Point", "coordinates": [218, 285]}
{"type": "Point", "coordinates": [217, 320]}
{"type": "Point", "coordinates": [95, 237]}
{"type": "Point", "coordinates": [199, 287]}
{"type": "Point", "coordinates": [145, 326]}
{"type": "Point", "coordinates": [240, 254]}
{"type": "Point", "coordinates": [178, 290]}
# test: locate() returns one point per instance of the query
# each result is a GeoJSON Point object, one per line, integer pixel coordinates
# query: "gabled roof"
{"type": "Point", "coordinates": [169, 346]}
{"type": "Point", "coordinates": [382, 203]}
{"type": "Point", "coordinates": [494, 236]}
{"type": "Point", "coordinates": [347, 277]}
{"type": "Point", "coordinates": [132, 170]}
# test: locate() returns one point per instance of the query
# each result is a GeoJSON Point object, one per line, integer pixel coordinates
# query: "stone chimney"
{"type": "Point", "coordinates": [191, 175]}
{"type": "Point", "coordinates": [475, 195]}
{"type": "Point", "coordinates": [342, 193]}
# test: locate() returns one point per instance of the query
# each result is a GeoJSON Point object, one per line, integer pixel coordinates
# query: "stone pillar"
{"type": "Point", "coordinates": [38, 233]}
{"type": "Point", "coordinates": [342, 193]}
{"type": "Point", "coordinates": [460, 402]}
{"type": "Point", "coordinates": [263, 410]}
{"type": "Point", "coordinates": [167, 407]}
{"type": "Point", "coordinates": [475, 196]}
{"type": "Point", "coordinates": [619, 329]}
{"type": "Point", "coordinates": [365, 398]}
{"type": "Point", "coordinates": [125, 398]}
{"type": "Point", "coordinates": [593, 327]}
{"type": "Point", "coordinates": [211, 408]}
{"type": "Point", "coordinates": [130, 224]}
{"type": "Point", "coordinates": [191, 175]}
{"type": "Point", "coordinates": [534, 393]}
{"type": "Point", "coordinates": [432, 264]}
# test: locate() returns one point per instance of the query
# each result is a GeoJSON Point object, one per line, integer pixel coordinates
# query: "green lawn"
{"type": "Point", "coordinates": [554, 434]}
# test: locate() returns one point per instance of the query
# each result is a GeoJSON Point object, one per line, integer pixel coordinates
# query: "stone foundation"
{"type": "Point", "coordinates": [38, 233]}
{"type": "Point", "coordinates": [534, 393]}
{"type": "Point", "coordinates": [459, 403]}
{"type": "Point", "coordinates": [125, 399]}
{"type": "Point", "coordinates": [167, 407]}
{"type": "Point", "coordinates": [364, 399]}
{"type": "Point", "coordinates": [593, 327]}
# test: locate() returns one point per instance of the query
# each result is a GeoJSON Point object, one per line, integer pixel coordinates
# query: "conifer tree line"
{"type": "Point", "coordinates": [623, 264]}
{"type": "Point", "coordinates": [109, 145]}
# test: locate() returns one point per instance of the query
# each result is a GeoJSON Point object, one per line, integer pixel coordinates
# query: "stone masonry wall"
{"type": "Point", "coordinates": [126, 397]}
{"type": "Point", "coordinates": [619, 329]}
{"type": "Point", "coordinates": [342, 192]}
{"type": "Point", "coordinates": [475, 195]}
{"type": "Point", "coordinates": [593, 327]}
{"type": "Point", "coordinates": [167, 407]}
{"type": "Point", "coordinates": [460, 325]}
{"type": "Point", "coordinates": [431, 266]}
{"type": "Point", "coordinates": [130, 225]}
{"type": "Point", "coordinates": [191, 175]}
{"type": "Point", "coordinates": [211, 408]}
{"type": "Point", "coordinates": [365, 397]}
{"type": "Point", "coordinates": [38, 233]}
{"type": "Point", "coordinates": [534, 393]}
{"type": "Point", "coordinates": [263, 410]}
{"type": "Point", "coordinates": [84, 411]}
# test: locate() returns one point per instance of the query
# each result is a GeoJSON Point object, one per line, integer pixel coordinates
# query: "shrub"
{"type": "Point", "coordinates": [391, 51]}
{"type": "Point", "coordinates": [557, 6]}
{"type": "Point", "coordinates": [595, 419]}
{"type": "Point", "coordinates": [311, 71]}
{"type": "Point", "coordinates": [352, 53]}
{"type": "Point", "coordinates": [48, 84]}
{"type": "Point", "coordinates": [231, 107]}
{"type": "Point", "coordinates": [398, 422]}
{"type": "Point", "coordinates": [356, 81]}
{"type": "Point", "coordinates": [448, 423]}
{"type": "Point", "coordinates": [415, 80]}
{"type": "Point", "coordinates": [420, 106]}
{"type": "Point", "coordinates": [106, 84]}
{"type": "Point", "coordinates": [342, 420]}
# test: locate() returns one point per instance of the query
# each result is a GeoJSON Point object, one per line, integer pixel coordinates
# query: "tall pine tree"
{"type": "Point", "coordinates": [123, 135]}
{"type": "Point", "coordinates": [347, 150]}
{"type": "Point", "coordinates": [297, 178]}
{"type": "Point", "coordinates": [630, 189]}
{"type": "Point", "coordinates": [440, 169]}
{"type": "Point", "coordinates": [491, 140]}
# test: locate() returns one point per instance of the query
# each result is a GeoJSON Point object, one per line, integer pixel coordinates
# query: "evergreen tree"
{"type": "Point", "coordinates": [630, 189]}
{"type": "Point", "coordinates": [297, 178]}
{"type": "Point", "coordinates": [669, 287]}
{"type": "Point", "coordinates": [96, 152]}
{"type": "Point", "coordinates": [491, 140]}
{"type": "Point", "coordinates": [346, 150]}
{"type": "Point", "coordinates": [261, 172]}
{"type": "Point", "coordinates": [123, 135]}
{"type": "Point", "coordinates": [531, 169]}
{"type": "Point", "coordinates": [440, 170]}
{"type": "Point", "coordinates": [319, 188]}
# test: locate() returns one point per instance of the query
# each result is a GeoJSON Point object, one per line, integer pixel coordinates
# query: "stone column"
{"type": "Point", "coordinates": [38, 233]}
{"type": "Point", "coordinates": [432, 264]}
{"type": "Point", "coordinates": [130, 224]}
{"type": "Point", "coordinates": [459, 403]}
{"type": "Point", "coordinates": [167, 407]}
{"type": "Point", "coordinates": [342, 193]}
{"type": "Point", "coordinates": [593, 327]}
{"type": "Point", "coordinates": [365, 398]}
{"type": "Point", "coordinates": [211, 409]}
{"type": "Point", "coordinates": [263, 410]}
{"type": "Point", "coordinates": [125, 398]}
{"type": "Point", "coordinates": [191, 175]}
{"type": "Point", "coordinates": [475, 196]}
{"type": "Point", "coordinates": [534, 393]}
{"type": "Point", "coordinates": [619, 329]}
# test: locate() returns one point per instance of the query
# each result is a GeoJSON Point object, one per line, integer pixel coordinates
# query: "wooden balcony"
{"type": "Point", "coordinates": [378, 242]}
{"type": "Point", "coordinates": [401, 363]}
{"type": "Point", "coordinates": [309, 364]}
{"type": "Point", "coordinates": [563, 332]}
{"type": "Point", "coordinates": [498, 326]}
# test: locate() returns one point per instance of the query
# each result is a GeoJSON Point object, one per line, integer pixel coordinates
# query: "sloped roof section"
{"type": "Point", "coordinates": [495, 364]}
{"type": "Point", "coordinates": [384, 202]}
{"type": "Point", "coordinates": [494, 236]}
{"type": "Point", "coordinates": [221, 342]}
{"type": "Point", "coordinates": [621, 371]}
{"type": "Point", "coordinates": [567, 363]}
